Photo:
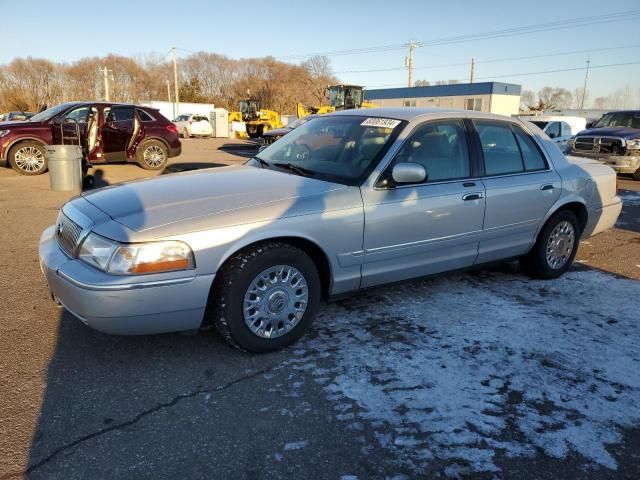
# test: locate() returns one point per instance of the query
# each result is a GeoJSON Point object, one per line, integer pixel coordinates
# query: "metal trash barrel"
{"type": "Point", "coordinates": [65, 167]}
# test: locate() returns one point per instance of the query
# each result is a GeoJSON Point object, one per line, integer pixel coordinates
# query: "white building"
{"type": "Point", "coordinates": [491, 97]}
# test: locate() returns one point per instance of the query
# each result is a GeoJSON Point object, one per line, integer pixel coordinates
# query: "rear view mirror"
{"type": "Point", "coordinates": [407, 172]}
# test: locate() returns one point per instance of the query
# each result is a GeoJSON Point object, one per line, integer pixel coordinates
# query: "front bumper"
{"type": "Point", "coordinates": [121, 305]}
{"type": "Point", "coordinates": [620, 163]}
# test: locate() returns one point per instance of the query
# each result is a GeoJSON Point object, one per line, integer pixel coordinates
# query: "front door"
{"type": "Point", "coordinates": [412, 230]}
{"type": "Point", "coordinates": [520, 189]}
{"type": "Point", "coordinates": [117, 131]}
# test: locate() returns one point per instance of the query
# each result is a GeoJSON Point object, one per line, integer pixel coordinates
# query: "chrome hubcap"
{"type": "Point", "coordinates": [275, 301]}
{"type": "Point", "coordinates": [153, 156]}
{"type": "Point", "coordinates": [29, 159]}
{"type": "Point", "coordinates": [560, 245]}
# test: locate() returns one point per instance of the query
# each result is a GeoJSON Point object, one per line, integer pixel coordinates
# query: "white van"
{"type": "Point", "coordinates": [557, 127]}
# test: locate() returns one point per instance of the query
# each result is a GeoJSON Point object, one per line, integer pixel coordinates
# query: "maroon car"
{"type": "Point", "coordinates": [108, 132]}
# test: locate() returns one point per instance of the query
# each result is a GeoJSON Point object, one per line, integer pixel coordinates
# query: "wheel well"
{"type": "Point", "coordinates": [158, 139]}
{"type": "Point", "coordinates": [580, 212]}
{"type": "Point", "coordinates": [21, 141]}
{"type": "Point", "coordinates": [317, 255]}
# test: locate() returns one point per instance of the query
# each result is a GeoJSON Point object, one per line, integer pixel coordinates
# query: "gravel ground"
{"type": "Point", "coordinates": [479, 375]}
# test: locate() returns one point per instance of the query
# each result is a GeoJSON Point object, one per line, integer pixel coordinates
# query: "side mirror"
{"type": "Point", "coordinates": [407, 172]}
{"type": "Point", "coordinates": [262, 147]}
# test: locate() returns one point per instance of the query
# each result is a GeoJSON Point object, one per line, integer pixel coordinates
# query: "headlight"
{"type": "Point", "coordinates": [4, 132]}
{"type": "Point", "coordinates": [136, 258]}
{"type": "Point", "coordinates": [571, 142]}
{"type": "Point", "coordinates": [633, 144]}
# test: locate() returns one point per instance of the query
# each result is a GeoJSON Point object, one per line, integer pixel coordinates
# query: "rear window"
{"type": "Point", "coordinates": [199, 118]}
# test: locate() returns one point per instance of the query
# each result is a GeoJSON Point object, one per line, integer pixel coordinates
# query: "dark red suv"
{"type": "Point", "coordinates": [108, 132]}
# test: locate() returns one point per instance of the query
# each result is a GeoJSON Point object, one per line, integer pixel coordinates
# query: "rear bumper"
{"type": "Point", "coordinates": [122, 306]}
{"type": "Point", "coordinates": [175, 151]}
{"type": "Point", "coordinates": [603, 218]}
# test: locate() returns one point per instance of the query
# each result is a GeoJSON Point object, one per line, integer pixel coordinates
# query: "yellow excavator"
{"type": "Point", "coordinates": [257, 120]}
{"type": "Point", "coordinates": [341, 97]}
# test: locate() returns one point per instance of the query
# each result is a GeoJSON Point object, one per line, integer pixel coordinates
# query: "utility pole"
{"type": "Point", "coordinates": [105, 76]}
{"type": "Point", "coordinates": [472, 64]}
{"type": "Point", "coordinates": [169, 91]}
{"type": "Point", "coordinates": [584, 88]}
{"type": "Point", "coordinates": [408, 61]}
{"type": "Point", "coordinates": [175, 81]}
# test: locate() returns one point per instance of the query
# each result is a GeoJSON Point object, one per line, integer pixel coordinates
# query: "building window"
{"type": "Point", "coordinates": [474, 104]}
{"type": "Point", "coordinates": [410, 102]}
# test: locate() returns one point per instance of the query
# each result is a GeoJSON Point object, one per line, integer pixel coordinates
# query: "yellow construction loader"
{"type": "Point", "coordinates": [258, 120]}
{"type": "Point", "coordinates": [341, 97]}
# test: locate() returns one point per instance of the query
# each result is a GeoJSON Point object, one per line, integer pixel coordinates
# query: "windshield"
{"type": "Point", "coordinates": [540, 124]}
{"type": "Point", "coordinates": [297, 123]}
{"type": "Point", "coordinates": [619, 119]}
{"type": "Point", "coordinates": [50, 113]}
{"type": "Point", "coordinates": [339, 149]}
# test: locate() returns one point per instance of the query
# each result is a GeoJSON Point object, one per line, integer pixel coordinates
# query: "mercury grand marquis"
{"type": "Point", "coordinates": [346, 201]}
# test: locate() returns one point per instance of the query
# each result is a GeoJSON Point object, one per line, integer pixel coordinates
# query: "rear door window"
{"type": "Point", "coordinates": [122, 113]}
{"type": "Point", "coordinates": [499, 148]}
{"type": "Point", "coordinates": [144, 116]}
{"type": "Point", "coordinates": [531, 155]}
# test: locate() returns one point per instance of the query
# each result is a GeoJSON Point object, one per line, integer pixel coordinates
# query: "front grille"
{"type": "Point", "coordinates": [603, 145]}
{"type": "Point", "coordinates": [584, 143]}
{"type": "Point", "coordinates": [68, 234]}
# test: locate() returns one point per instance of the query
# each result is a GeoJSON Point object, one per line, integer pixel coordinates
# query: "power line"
{"type": "Point", "coordinates": [522, 30]}
{"type": "Point", "coordinates": [493, 77]}
{"type": "Point", "coordinates": [496, 60]}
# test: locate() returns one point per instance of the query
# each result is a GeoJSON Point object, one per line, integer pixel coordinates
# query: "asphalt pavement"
{"type": "Point", "coordinates": [485, 374]}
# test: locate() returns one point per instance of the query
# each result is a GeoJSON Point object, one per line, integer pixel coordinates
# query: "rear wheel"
{"type": "Point", "coordinates": [265, 297]}
{"type": "Point", "coordinates": [556, 247]}
{"type": "Point", "coordinates": [28, 158]}
{"type": "Point", "coordinates": [185, 133]}
{"type": "Point", "coordinates": [152, 155]}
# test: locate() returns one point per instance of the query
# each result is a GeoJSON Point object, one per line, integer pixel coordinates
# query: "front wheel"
{"type": "Point", "coordinates": [556, 247]}
{"type": "Point", "coordinates": [28, 158]}
{"type": "Point", "coordinates": [152, 155]}
{"type": "Point", "coordinates": [265, 297]}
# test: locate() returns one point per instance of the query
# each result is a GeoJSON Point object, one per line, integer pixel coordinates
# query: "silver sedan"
{"type": "Point", "coordinates": [346, 201]}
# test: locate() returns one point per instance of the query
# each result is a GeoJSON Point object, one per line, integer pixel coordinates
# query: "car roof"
{"type": "Point", "coordinates": [411, 113]}
{"type": "Point", "coordinates": [554, 118]}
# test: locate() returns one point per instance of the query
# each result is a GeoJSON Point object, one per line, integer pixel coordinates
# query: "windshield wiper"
{"type": "Point", "coordinates": [296, 169]}
{"type": "Point", "coordinates": [263, 163]}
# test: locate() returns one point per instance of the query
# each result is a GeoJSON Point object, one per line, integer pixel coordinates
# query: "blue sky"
{"type": "Point", "coordinates": [66, 31]}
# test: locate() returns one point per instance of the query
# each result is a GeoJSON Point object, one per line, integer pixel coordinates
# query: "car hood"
{"type": "Point", "coordinates": [233, 195]}
{"type": "Point", "coordinates": [621, 132]}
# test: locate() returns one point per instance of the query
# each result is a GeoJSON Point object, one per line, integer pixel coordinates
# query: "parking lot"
{"type": "Point", "coordinates": [471, 375]}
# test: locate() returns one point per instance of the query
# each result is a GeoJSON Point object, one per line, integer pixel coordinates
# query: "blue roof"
{"type": "Point", "coordinates": [453, 90]}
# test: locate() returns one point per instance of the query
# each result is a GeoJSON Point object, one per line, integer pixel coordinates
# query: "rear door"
{"type": "Point", "coordinates": [118, 130]}
{"type": "Point", "coordinates": [520, 188]}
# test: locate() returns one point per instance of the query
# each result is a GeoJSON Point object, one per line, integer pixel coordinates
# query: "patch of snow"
{"type": "Point", "coordinates": [629, 197]}
{"type": "Point", "coordinates": [296, 445]}
{"type": "Point", "coordinates": [457, 369]}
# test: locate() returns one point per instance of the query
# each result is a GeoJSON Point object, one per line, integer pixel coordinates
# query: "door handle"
{"type": "Point", "coordinates": [469, 184]}
{"type": "Point", "coordinates": [472, 196]}
{"type": "Point", "coordinates": [547, 186]}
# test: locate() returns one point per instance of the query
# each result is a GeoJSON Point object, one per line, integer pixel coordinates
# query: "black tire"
{"type": "Point", "coordinates": [228, 294]}
{"type": "Point", "coordinates": [636, 175]}
{"type": "Point", "coordinates": [535, 263]}
{"type": "Point", "coordinates": [28, 168]}
{"type": "Point", "coordinates": [185, 133]}
{"type": "Point", "coordinates": [263, 129]}
{"type": "Point", "coordinates": [152, 155]}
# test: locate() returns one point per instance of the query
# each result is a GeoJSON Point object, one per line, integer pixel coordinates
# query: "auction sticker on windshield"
{"type": "Point", "coordinates": [380, 122]}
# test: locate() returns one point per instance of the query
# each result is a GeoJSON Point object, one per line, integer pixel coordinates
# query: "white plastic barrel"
{"type": "Point", "coordinates": [65, 167]}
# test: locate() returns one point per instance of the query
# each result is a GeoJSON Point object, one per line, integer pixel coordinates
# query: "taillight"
{"type": "Point", "coordinates": [171, 128]}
